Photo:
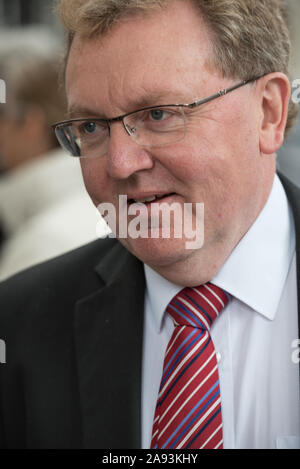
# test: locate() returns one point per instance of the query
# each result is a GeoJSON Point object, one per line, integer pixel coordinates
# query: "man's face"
{"type": "Point", "coordinates": [161, 59]}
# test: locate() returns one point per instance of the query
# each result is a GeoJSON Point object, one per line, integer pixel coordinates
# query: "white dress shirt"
{"type": "Point", "coordinates": [254, 337]}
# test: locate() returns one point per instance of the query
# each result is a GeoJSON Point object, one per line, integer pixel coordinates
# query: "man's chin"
{"type": "Point", "coordinates": [158, 252]}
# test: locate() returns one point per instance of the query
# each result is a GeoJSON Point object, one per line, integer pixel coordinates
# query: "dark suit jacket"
{"type": "Point", "coordinates": [73, 329]}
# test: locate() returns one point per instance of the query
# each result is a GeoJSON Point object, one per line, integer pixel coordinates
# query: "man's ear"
{"type": "Point", "coordinates": [275, 92]}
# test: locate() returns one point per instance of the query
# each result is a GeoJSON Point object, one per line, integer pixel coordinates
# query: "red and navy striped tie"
{"type": "Point", "coordinates": [188, 411]}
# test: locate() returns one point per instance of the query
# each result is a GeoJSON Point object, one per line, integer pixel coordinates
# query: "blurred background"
{"type": "Point", "coordinates": [44, 208]}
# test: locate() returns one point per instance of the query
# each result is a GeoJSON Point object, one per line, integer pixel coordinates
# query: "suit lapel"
{"type": "Point", "coordinates": [108, 338]}
{"type": "Point", "coordinates": [293, 195]}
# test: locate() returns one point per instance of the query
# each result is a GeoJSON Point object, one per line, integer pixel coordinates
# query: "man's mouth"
{"type": "Point", "coordinates": [149, 199]}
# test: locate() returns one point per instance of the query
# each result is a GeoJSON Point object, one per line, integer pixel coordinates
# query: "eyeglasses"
{"type": "Point", "coordinates": [153, 126]}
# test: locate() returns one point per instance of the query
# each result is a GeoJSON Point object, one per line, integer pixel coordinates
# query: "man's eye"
{"type": "Point", "coordinates": [89, 127]}
{"type": "Point", "coordinates": [157, 114]}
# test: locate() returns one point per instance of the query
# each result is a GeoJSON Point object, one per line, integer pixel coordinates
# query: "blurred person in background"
{"type": "Point", "coordinates": [37, 178]}
{"type": "Point", "coordinates": [34, 102]}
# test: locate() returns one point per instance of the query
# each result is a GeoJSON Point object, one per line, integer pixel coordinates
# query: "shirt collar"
{"type": "Point", "coordinates": [160, 292]}
{"type": "Point", "coordinates": [256, 270]}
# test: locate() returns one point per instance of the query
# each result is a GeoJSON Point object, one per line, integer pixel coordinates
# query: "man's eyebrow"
{"type": "Point", "coordinates": [151, 99]}
{"type": "Point", "coordinates": [75, 112]}
{"type": "Point", "coordinates": [156, 99]}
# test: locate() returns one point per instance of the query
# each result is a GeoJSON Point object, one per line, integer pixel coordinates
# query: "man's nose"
{"type": "Point", "coordinates": [125, 157]}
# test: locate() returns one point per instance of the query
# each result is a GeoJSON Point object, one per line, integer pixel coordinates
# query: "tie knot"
{"type": "Point", "coordinates": [198, 307]}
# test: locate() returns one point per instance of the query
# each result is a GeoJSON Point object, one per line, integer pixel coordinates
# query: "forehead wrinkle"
{"type": "Point", "coordinates": [144, 96]}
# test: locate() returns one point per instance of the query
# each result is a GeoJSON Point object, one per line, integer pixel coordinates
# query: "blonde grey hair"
{"type": "Point", "coordinates": [250, 37]}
